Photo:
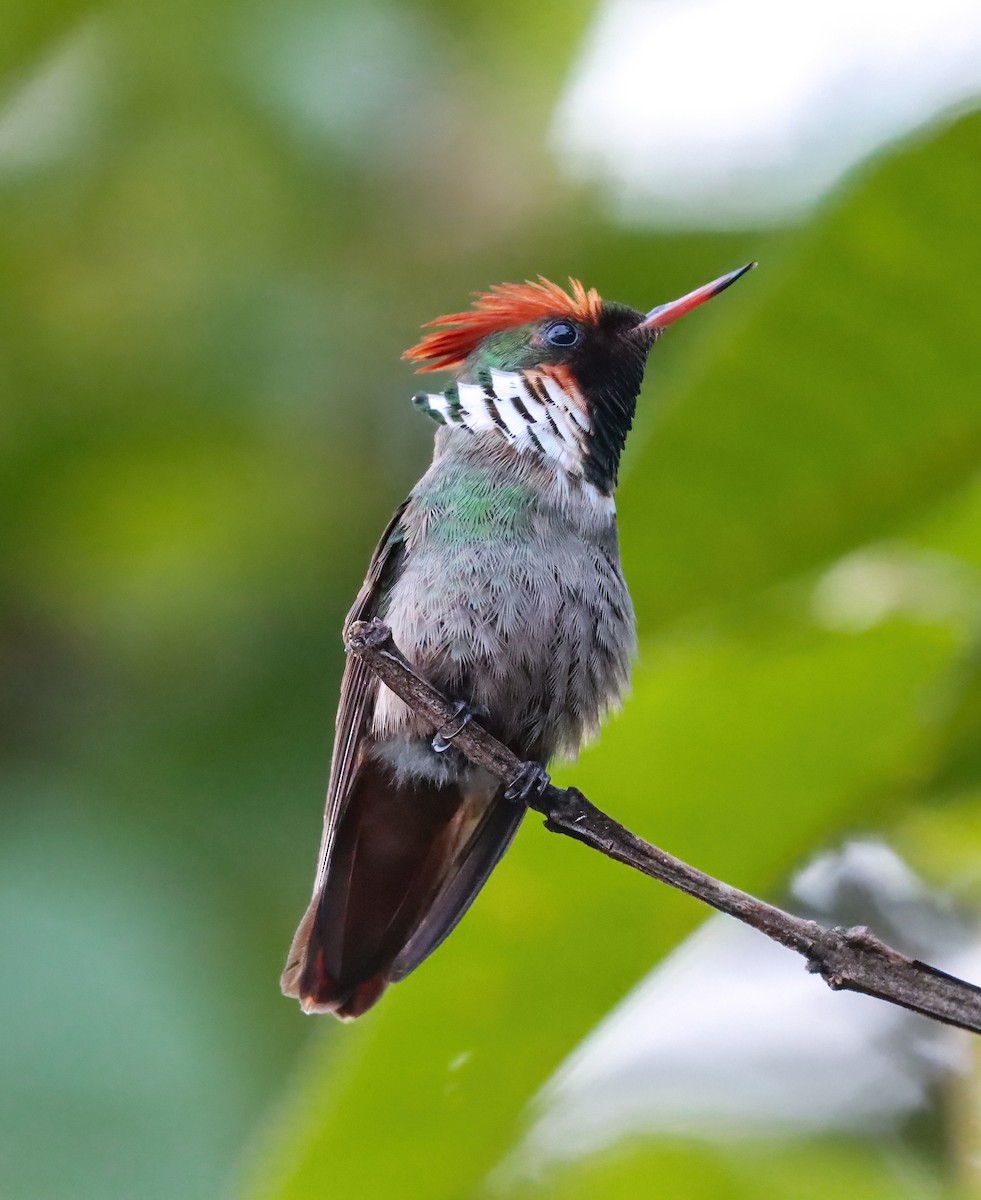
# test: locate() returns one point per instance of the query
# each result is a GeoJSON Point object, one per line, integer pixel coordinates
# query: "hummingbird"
{"type": "Point", "coordinates": [500, 579]}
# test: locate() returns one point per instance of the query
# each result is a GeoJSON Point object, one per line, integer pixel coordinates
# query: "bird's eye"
{"type": "Point", "coordinates": [560, 333]}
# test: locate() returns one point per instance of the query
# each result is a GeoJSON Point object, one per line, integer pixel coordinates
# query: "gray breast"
{"type": "Point", "coordinates": [512, 598]}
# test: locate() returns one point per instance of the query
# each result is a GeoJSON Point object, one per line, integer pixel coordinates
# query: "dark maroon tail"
{"type": "Point", "coordinates": [399, 852]}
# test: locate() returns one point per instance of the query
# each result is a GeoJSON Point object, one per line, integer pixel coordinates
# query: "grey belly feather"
{"type": "Point", "coordinates": [532, 620]}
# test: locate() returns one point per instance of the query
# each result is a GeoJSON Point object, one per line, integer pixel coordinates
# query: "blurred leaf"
{"type": "Point", "coordinates": [744, 1172]}
{"type": "Point", "coordinates": [739, 486]}
{"type": "Point", "coordinates": [951, 532]}
{"type": "Point", "coordinates": [124, 1078]}
{"type": "Point", "coordinates": [220, 225]}
{"type": "Point", "coordinates": [958, 763]}
{"type": "Point", "coordinates": [32, 26]}
{"type": "Point", "coordinates": [940, 835]}
{"type": "Point", "coordinates": [752, 750]}
{"type": "Point", "coordinates": [844, 402]}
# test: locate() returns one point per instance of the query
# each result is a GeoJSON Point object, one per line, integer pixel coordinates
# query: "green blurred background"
{"type": "Point", "coordinates": [220, 225]}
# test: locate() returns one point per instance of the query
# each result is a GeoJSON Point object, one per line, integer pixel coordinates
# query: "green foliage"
{"type": "Point", "coordinates": [208, 276]}
{"type": "Point", "coordinates": [841, 409]}
{"type": "Point", "coordinates": [696, 1172]}
{"type": "Point", "coordinates": [752, 735]}
{"type": "Point", "coordinates": [805, 723]}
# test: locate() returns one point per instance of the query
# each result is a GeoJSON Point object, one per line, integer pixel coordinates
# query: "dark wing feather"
{"type": "Point", "coordinates": [358, 688]}
{"type": "Point", "coordinates": [387, 861]}
{"type": "Point", "coordinates": [473, 864]}
{"type": "Point", "coordinates": [400, 861]}
{"type": "Point", "coordinates": [358, 683]}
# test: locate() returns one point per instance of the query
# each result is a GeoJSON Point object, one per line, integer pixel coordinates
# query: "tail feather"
{"type": "Point", "coordinates": [406, 861]}
{"type": "Point", "coordinates": [467, 875]}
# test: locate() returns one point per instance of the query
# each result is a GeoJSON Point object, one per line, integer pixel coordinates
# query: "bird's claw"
{"type": "Point", "coordinates": [528, 784]}
{"type": "Point", "coordinates": [463, 714]}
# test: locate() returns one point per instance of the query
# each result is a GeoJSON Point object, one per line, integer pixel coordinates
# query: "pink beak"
{"type": "Point", "coordinates": [667, 314]}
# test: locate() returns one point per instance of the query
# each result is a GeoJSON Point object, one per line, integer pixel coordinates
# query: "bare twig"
{"type": "Point", "coordinates": [849, 959]}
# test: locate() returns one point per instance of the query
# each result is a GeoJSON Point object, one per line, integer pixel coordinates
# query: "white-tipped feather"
{"type": "Point", "coordinates": [567, 431]}
{"type": "Point", "coordinates": [555, 392]}
{"type": "Point", "coordinates": [536, 408]}
{"type": "Point", "coordinates": [507, 384]}
{"type": "Point", "coordinates": [517, 425]}
{"type": "Point", "coordinates": [550, 444]}
{"type": "Point", "coordinates": [473, 408]}
{"type": "Point", "coordinates": [512, 406]}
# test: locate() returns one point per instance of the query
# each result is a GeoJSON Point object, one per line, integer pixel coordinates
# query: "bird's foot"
{"type": "Point", "coordinates": [528, 784]}
{"type": "Point", "coordinates": [463, 714]}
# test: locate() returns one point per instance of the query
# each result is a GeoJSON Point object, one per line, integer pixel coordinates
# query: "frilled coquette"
{"type": "Point", "coordinates": [500, 578]}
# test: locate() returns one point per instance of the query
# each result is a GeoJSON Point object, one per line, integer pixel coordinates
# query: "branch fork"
{"type": "Point", "coordinates": [852, 960]}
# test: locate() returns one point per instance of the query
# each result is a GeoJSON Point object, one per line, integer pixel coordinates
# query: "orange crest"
{"type": "Point", "coordinates": [503, 307]}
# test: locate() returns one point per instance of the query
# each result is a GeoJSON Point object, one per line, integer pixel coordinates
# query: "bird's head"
{"type": "Point", "coordinates": [555, 373]}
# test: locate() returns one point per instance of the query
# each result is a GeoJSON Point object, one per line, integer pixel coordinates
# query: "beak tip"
{"type": "Point", "coordinates": [666, 314]}
{"type": "Point", "coordinates": [737, 274]}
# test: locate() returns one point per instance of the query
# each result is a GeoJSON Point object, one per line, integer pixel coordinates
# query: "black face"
{"type": "Point", "coordinates": [607, 361]}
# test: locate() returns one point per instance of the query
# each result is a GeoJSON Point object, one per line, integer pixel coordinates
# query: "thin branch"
{"type": "Point", "coordinates": [849, 959]}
